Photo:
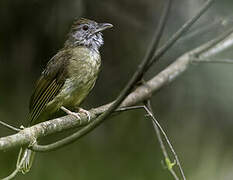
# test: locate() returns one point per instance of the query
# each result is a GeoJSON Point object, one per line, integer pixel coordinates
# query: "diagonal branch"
{"type": "Point", "coordinates": [157, 129]}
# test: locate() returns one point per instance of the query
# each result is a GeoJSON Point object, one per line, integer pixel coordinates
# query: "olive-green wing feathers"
{"type": "Point", "coordinates": [49, 84]}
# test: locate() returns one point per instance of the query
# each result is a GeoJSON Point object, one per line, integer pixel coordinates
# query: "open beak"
{"type": "Point", "coordinates": [103, 26]}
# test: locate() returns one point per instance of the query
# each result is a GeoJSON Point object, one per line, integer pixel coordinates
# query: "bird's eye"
{"type": "Point", "coordinates": [85, 27]}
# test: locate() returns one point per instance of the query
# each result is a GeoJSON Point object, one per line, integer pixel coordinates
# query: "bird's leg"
{"type": "Point", "coordinates": [87, 113]}
{"type": "Point", "coordinates": [70, 112]}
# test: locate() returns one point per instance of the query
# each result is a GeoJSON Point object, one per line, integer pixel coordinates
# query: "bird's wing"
{"type": "Point", "coordinates": [48, 85]}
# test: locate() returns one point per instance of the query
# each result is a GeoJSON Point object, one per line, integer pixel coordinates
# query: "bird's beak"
{"type": "Point", "coordinates": [103, 26]}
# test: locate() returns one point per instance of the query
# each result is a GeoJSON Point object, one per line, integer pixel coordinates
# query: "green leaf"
{"type": "Point", "coordinates": [169, 163]}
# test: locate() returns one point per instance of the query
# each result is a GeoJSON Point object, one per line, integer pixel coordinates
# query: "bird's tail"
{"type": "Point", "coordinates": [25, 159]}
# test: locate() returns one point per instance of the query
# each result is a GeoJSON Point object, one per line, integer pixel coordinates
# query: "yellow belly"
{"type": "Point", "coordinates": [82, 77]}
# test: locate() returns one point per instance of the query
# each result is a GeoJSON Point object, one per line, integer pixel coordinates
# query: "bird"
{"type": "Point", "coordinates": [67, 79]}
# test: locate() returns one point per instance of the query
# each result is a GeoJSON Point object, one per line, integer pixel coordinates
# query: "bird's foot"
{"type": "Point", "coordinates": [77, 115]}
{"type": "Point", "coordinates": [87, 113]}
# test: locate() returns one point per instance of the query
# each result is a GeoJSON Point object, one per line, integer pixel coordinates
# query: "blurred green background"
{"type": "Point", "coordinates": [195, 110]}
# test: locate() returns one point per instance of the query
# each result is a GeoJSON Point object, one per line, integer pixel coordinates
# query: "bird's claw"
{"type": "Point", "coordinates": [77, 115]}
{"type": "Point", "coordinates": [87, 113]}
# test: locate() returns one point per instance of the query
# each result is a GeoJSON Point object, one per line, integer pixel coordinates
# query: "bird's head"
{"type": "Point", "coordinates": [85, 32]}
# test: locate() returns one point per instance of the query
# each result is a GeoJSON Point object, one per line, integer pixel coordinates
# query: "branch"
{"type": "Point", "coordinates": [212, 60]}
{"type": "Point", "coordinates": [178, 34]}
{"type": "Point", "coordinates": [158, 128]}
{"type": "Point", "coordinates": [14, 173]}
{"type": "Point", "coordinates": [140, 94]}
{"type": "Point", "coordinates": [9, 126]}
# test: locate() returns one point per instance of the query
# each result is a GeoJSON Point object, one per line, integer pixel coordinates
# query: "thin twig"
{"type": "Point", "coordinates": [219, 24]}
{"type": "Point", "coordinates": [158, 35]}
{"type": "Point", "coordinates": [9, 126]}
{"type": "Point", "coordinates": [212, 60]}
{"type": "Point", "coordinates": [162, 146]}
{"type": "Point", "coordinates": [178, 34]}
{"type": "Point", "coordinates": [148, 105]}
{"type": "Point", "coordinates": [15, 172]}
{"type": "Point", "coordinates": [127, 108]}
{"type": "Point", "coordinates": [168, 142]}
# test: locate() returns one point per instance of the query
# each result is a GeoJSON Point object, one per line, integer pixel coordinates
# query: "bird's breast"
{"type": "Point", "coordinates": [83, 70]}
